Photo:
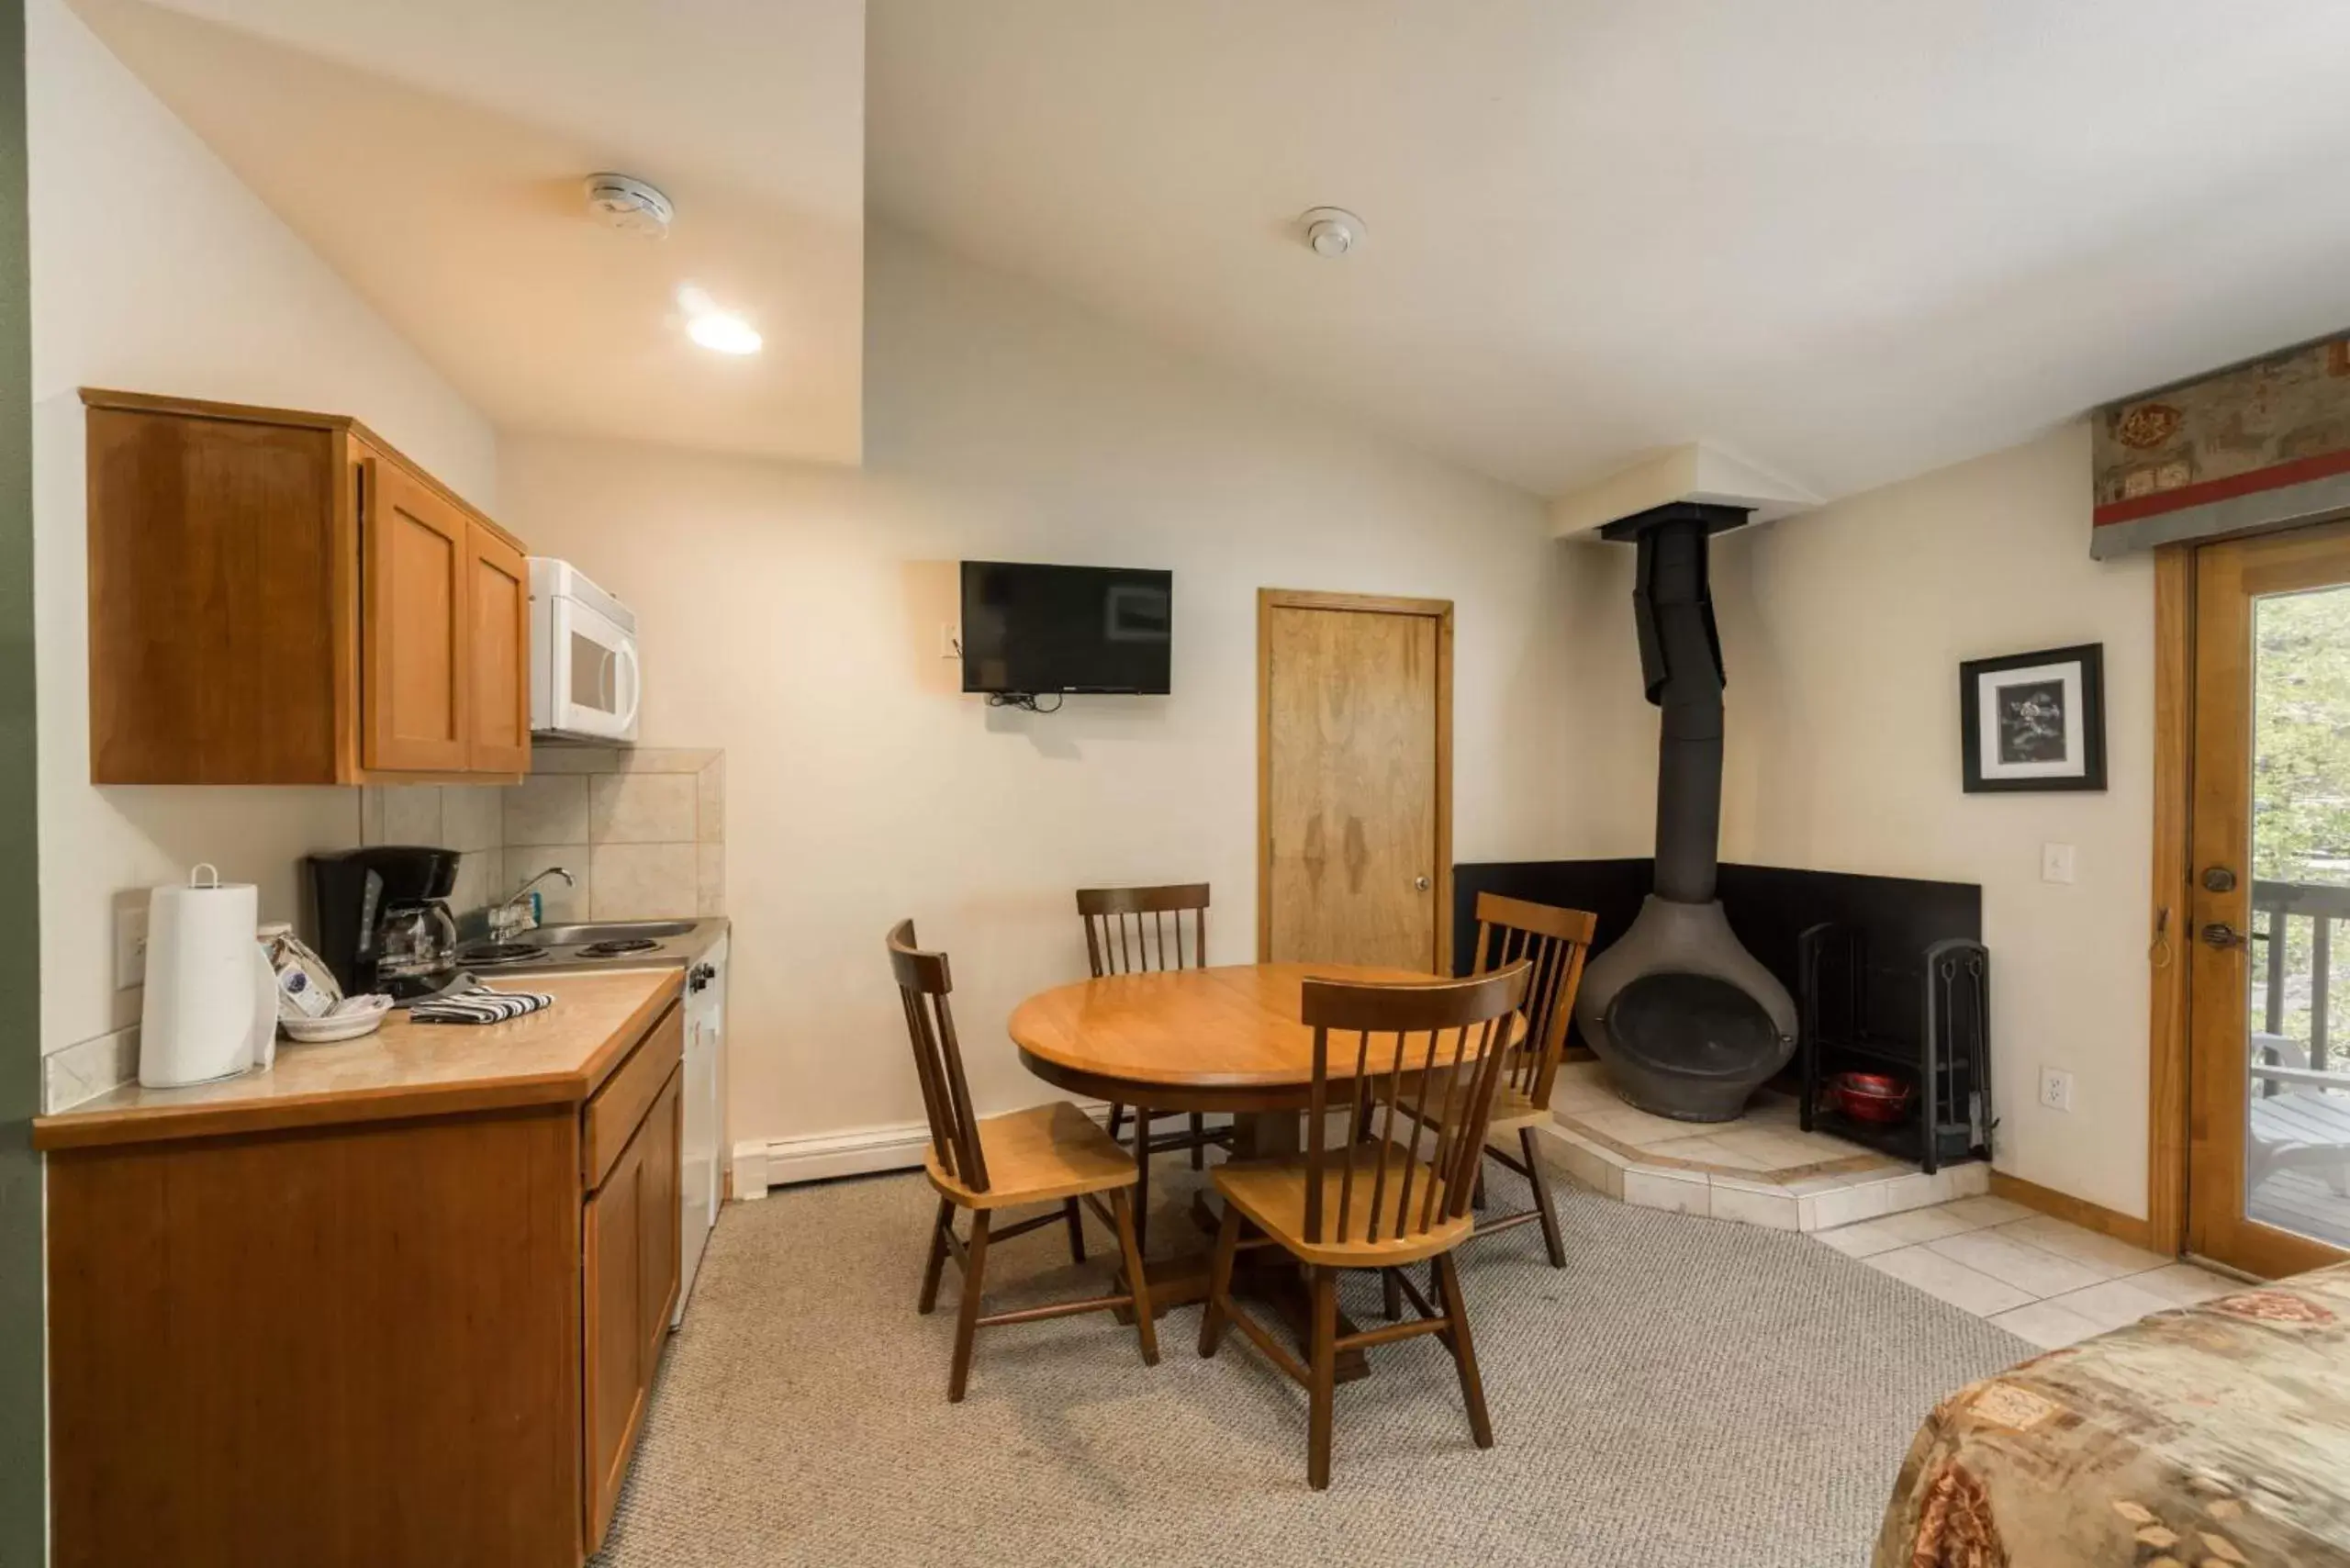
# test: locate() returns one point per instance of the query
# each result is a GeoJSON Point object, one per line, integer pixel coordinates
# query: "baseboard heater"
{"type": "Point", "coordinates": [762, 1164]}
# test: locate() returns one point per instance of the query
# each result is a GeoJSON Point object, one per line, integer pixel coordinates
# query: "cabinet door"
{"type": "Point", "coordinates": [413, 628]}
{"type": "Point", "coordinates": [611, 1290]}
{"type": "Point", "coordinates": [663, 1215]}
{"type": "Point", "coordinates": [497, 660]}
{"type": "Point", "coordinates": [629, 1281]}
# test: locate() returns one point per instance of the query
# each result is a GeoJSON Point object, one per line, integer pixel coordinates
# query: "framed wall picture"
{"type": "Point", "coordinates": [2034, 721]}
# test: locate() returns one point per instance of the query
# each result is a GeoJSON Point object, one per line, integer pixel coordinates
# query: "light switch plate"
{"type": "Point", "coordinates": [2055, 862]}
{"type": "Point", "coordinates": [2056, 1088]}
{"type": "Point", "coordinates": [950, 640]}
{"type": "Point", "coordinates": [130, 947]}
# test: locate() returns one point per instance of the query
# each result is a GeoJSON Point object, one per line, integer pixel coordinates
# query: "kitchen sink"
{"type": "Point", "coordinates": [609, 931]}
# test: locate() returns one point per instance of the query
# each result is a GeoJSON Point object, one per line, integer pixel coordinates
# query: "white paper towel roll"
{"type": "Point", "coordinates": [198, 1020]}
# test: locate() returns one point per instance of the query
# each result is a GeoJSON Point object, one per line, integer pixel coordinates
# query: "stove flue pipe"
{"type": "Point", "coordinates": [1681, 662]}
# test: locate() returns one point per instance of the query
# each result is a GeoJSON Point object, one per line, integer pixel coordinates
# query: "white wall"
{"type": "Point", "coordinates": [792, 615]}
{"type": "Point", "coordinates": [1842, 631]}
{"type": "Point", "coordinates": [154, 269]}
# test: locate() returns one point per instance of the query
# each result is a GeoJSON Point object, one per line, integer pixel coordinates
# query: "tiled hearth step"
{"type": "Point", "coordinates": [1759, 1169]}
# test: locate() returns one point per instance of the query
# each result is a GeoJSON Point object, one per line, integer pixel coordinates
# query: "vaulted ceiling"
{"type": "Point", "coordinates": [1840, 239]}
{"type": "Point", "coordinates": [1844, 240]}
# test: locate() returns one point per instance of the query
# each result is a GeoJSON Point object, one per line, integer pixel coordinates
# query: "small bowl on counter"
{"type": "Point", "coordinates": [1871, 1096]}
{"type": "Point", "coordinates": [350, 1019]}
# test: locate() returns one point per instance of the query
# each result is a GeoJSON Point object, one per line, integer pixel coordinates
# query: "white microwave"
{"type": "Point", "coordinates": [586, 682]}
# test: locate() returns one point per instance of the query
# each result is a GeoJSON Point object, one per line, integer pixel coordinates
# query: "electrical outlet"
{"type": "Point", "coordinates": [130, 947]}
{"type": "Point", "coordinates": [2056, 1088]}
{"type": "Point", "coordinates": [950, 640]}
{"type": "Point", "coordinates": [2055, 862]}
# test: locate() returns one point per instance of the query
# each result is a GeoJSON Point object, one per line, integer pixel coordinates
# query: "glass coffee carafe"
{"type": "Point", "coordinates": [415, 946]}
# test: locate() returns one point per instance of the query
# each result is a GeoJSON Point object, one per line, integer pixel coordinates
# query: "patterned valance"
{"type": "Point", "coordinates": [2262, 445]}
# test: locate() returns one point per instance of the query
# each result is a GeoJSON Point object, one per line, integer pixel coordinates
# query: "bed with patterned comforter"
{"type": "Point", "coordinates": [2214, 1436]}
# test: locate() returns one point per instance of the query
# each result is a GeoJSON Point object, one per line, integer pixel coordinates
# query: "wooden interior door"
{"type": "Point", "coordinates": [415, 636]}
{"type": "Point", "coordinates": [2269, 1078]}
{"type": "Point", "coordinates": [498, 659]}
{"type": "Point", "coordinates": [1354, 779]}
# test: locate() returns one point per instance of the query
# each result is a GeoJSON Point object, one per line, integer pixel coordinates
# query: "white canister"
{"type": "Point", "coordinates": [206, 983]}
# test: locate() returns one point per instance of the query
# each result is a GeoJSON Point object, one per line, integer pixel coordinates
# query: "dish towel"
{"type": "Point", "coordinates": [479, 1004]}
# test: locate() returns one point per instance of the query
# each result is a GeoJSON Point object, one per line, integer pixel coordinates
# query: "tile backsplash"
{"type": "Point", "coordinates": [642, 831]}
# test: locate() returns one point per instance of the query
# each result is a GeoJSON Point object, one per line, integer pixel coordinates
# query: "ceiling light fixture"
{"type": "Point", "coordinates": [1332, 232]}
{"type": "Point", "coordinates": [723, 331]}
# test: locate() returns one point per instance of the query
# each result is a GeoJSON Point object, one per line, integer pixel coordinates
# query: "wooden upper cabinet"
{"type": "Point", "coordinates": [280, 597]}
{"type": "Point", "coordinates": [416, 562]}
{"type": "Point", "coordinates": [497, 595]}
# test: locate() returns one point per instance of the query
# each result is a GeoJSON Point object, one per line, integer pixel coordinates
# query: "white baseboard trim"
{"type": "Point", "coordinates": [760, 1164]}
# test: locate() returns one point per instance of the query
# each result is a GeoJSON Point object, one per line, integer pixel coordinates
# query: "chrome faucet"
{"type": "Point", "coordinates": [507, 916]}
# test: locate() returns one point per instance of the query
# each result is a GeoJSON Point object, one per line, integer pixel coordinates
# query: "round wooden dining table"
{"type": "Point", "coordinates": [1227, 1039]}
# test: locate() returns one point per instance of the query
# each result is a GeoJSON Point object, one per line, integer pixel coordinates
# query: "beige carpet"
{"type": "Point", "coordinates": [1686, 1392]}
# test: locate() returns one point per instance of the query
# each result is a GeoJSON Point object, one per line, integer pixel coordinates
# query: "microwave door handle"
{"type": "Point", "coordinates": [607, 689]}
{"type": "Point", "coordinates": [627, 654]}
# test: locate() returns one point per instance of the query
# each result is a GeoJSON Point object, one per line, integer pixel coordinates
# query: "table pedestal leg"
{"type": "Point", "coordinates": [1265, 1275]}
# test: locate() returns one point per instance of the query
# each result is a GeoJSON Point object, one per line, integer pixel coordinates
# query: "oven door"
{"type": "Point", "coordinates": [594, 683]}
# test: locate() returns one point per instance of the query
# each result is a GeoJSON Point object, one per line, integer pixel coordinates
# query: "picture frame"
{"type": "Point", "coordinates": [2033, 721]}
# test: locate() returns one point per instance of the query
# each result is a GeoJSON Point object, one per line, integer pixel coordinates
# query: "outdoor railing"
{"type": "Point", "coordinates": [2282, 904]}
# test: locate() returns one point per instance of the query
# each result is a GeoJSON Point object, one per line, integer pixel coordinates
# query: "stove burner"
{"type": "Point", "coordinates": [501, 953]}
{"type": "Point", "coordinates": [615, 948]}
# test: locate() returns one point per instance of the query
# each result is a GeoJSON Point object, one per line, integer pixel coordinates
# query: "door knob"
{"type": "Point", "coordinates": [2220, 934]}
{"type": "Point", "coordinates": [1419, 884]}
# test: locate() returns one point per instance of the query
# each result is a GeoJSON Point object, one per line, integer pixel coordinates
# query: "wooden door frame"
{"type": "Point", "coordinates": [2166, 927]}
{"type": "Point", "coordinates": [1440, 612]}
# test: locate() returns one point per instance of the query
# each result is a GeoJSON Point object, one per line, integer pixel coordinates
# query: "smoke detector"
{"type": "Point", "coordinates": [1332, 232]}
{"type": "Point", "coordinates": [629, 204]}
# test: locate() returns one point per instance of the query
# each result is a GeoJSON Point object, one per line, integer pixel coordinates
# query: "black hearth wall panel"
{"type": "Point", "coordinates": [1769, 906]}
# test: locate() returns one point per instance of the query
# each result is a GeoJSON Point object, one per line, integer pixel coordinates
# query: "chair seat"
{"type": "Point", "coordinates": [1043, 1153]}
{"type": "Point", "coordinates": [1271, 1195]}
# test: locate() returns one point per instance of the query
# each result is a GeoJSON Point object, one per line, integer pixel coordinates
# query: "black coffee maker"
{"type": "Point", "coordinates": [383, 918]}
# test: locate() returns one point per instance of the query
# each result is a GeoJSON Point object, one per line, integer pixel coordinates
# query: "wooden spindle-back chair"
{"type": "Point", "coordinates": [1049, 1154]}
{"type": "Point", "coordinates": [1555, 943]}
{"type": "Point", "coordinates": [1370, 1200]}
{"type": "Point", "coordinates": [1135, 931]}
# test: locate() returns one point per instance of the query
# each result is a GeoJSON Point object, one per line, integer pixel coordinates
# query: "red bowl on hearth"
{"type": "Point", "coordinates": [1870, 1096]}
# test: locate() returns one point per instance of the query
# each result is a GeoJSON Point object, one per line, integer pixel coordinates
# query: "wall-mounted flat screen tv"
{"type": "Point", "coordinates": [1029, 629]}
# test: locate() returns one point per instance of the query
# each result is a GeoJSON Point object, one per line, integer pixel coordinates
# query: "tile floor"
{"type": "Point", "coordinates": [2035, 1276]}
{"type": "Point", "coordinates": [1761, 1168]}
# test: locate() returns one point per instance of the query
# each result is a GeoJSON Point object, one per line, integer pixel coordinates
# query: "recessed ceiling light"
{"type": "Point", "coordinates": [721, 332]}
{"type": "Point", "coordinates": [724, 333]}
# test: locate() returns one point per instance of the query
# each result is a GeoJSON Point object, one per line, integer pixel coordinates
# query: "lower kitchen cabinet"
{"type": "Point", "coordinates": [373, 1337]}
{"type": "Point", "coordinates": [629, 1284]}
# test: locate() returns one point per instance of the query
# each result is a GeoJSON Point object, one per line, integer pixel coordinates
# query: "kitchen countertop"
{"type": "Point", "coordinates": [557, 1056]}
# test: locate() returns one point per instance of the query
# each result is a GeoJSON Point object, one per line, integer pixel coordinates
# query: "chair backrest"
{"type": "Point", "coordinates": [1451, 1037]}
{"type": "Point", "coordinates": [923, 985]}
{"type": "Point", "coordinates": [1555, 941]}
{"type": "Point", "coordinates": [1130, 929]}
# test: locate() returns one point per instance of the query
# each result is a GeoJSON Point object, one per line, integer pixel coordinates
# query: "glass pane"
{"type": "Point", "coordinates": [2297, 1142]}
{"type": "Point", "coordinates": [593, 683]}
